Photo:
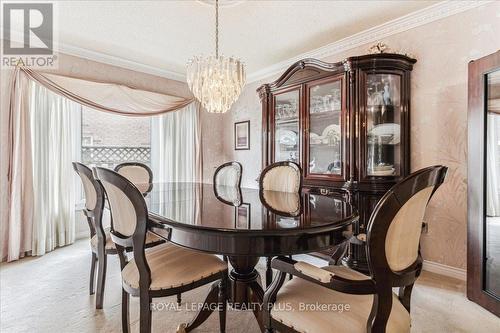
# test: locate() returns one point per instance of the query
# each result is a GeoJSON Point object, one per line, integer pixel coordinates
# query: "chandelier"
{"type": "Point", "coordinates": [216, 81]}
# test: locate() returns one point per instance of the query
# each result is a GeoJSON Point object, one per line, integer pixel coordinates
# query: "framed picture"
{"type": "Point", "coordinates": [242, 216]}
{"type": "Point", "coordinates": [242, 135]}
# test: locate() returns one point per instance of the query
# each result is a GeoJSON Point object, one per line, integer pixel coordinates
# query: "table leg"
{"type": "Point", "coordinates": [209, 305]}
{"type": "Point", "coordinates": [257, 298]}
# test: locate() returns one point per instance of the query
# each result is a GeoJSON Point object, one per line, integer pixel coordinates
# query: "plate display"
{"type": "Point", "coordinates": [287, 137]}
{"type": "Point", "coordinates": [389, 133]}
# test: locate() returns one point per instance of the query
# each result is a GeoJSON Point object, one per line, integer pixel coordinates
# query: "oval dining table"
{"type": "Point", "coordinates": [245, 224]}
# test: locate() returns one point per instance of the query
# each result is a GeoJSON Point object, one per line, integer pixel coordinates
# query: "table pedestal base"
{"type": "Point", "coordinates": [246, 292]}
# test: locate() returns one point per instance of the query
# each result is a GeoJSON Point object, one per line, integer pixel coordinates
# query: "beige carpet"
{"type": "Point", "coordinates": [50, 294]}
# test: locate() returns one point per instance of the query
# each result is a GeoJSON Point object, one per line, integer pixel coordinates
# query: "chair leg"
{"type": "Point", "coordinates": [93, 264]}
{"type": "Point", "coordinates": [179, 299]}
{"type": "Point", "coordinates": [125, 312]}
{"type": "Point", "coordinates": [145, 314]}
{"type": "Point", "coordinates": [405, 296]}
{"type": "Point", "coordinates": [290, 276]}
{"type": "Point", "coordinates": [269, 272]}
{"type": "Point", "coordinates": [222, 303]}
{"type": "Point", "coordinates": [101, 281]}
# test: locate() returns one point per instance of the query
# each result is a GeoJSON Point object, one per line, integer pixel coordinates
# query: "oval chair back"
{"type": "Point", "coordinates": [94, 196]}
{"type": "Point", "coordinates": [228, 174]}
{"type": "Point", "coordinates": [282, 176]}
{"type": "Point", "coordinates": [393, 237]}
{"type": "Point", "coordinates": [138, 173]}
{"type": "Point", "coordinates": [129, 218]}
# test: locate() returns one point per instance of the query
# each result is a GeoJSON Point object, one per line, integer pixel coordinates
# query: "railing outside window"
{"type": "Point", "coordinates": [110, 156]}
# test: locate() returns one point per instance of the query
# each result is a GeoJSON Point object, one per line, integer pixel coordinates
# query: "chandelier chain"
{"type": "Point", "coordinates": [216, 81]}
{"type": "Point", "coordinates": [216, 28]}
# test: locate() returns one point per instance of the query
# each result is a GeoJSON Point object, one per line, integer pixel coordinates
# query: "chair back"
{"type": "Point", "coordinates": [138, 173]}
{"type": "Point", "coordinates": [94, 197]}
{"type": "Point", "coordinates": [129, 218]}
{"type": "Point", "coordinates": [283, 176]}
{"type": "Point", "coordinates": [395, 226]}
{"type": "Point", "coordinates": [228, 174]}
{"type": "Point", "coordinates": [128, 208]}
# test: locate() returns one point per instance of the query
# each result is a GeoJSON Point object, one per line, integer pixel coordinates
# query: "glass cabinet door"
{"type": "Point", "coordinates": [325, 128]}
{"type": "Point", "coordinates": [286, 126]}
{"type": "Point", "coordinates": [383, 125]}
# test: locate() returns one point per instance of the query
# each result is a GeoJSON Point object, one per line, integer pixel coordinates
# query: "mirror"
{"type": "Point", "coordinates": [483, 183]}
{"type": "Point", "coordinates": [492, 185]}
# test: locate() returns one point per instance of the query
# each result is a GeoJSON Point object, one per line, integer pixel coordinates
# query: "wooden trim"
{"type": "Point", "coordinates": [475, 180]}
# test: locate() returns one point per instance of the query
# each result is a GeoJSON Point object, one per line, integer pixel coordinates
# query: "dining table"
{"type": "Point", "coordinates": [244, 225]}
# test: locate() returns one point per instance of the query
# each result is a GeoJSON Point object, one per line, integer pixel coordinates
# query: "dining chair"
{"type": "Point", "coordinates": [228, 174]}
{"type": "Point", "coordinates": [284, 176]}
{"type": "Point", "coordinates": [101, 244]}
{"type": "Point", "coordinates": [394, 260]}
{"type": "Point", "coordinates": [141, 176]}
{"type": "Point", "coordinates": [138, 173]}
{"type": "Point", "coordinates": [162, 271]}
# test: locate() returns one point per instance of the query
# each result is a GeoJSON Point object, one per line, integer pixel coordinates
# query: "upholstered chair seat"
{"type": "Point", "coordinates": [169, 270]}
{"type": "Point", "coordinates": [298, 293]}
{"type": "Point", "coordinates": [150, 239]}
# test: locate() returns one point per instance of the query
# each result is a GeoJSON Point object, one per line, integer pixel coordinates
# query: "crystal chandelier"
{"type": "Point", "coordinates": [216, 81]}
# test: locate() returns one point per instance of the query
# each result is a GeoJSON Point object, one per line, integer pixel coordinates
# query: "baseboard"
{"type": "Point", "coordinates": [82, 235]}
{"type": "Point", "coordinates": [434, 267]}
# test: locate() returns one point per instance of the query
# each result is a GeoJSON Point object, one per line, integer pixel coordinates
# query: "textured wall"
{"type": "Point", "coordinates": [438, 117]}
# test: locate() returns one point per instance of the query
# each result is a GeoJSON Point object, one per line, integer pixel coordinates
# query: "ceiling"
{"type": "Point", "coordinates": [165, 34]}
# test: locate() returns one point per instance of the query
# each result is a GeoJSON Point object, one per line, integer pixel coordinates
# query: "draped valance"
{"type": "Point", "coordinates": [107, 97]}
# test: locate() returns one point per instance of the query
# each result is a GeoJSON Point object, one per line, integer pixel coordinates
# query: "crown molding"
{"type": "Point", "coordinates": [120, 62]}
{"type": "Point", "coordinates": [17, 36]}
{"type": "Point", "coordinates": [415, 19]}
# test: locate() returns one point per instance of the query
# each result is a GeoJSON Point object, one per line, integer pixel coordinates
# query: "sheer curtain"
{"type": "Point", "coordinates": [55, 135]}
{"type": "Point", "coordinates": [175, 145]}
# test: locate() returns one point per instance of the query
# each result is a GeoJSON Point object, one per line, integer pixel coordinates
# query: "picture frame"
{"type": "Point", "coordinates": [242, 216]}
{"type": "Point", "coordinates": [242, 135]}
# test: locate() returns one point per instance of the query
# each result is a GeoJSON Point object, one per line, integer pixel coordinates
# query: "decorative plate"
{"type": "Point", "coordinates": [287, 137]}
{"type": "Point", "coordinates": [388, 133]}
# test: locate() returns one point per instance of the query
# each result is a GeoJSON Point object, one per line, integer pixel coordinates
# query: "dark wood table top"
{"type": "Point", "coordinates": [247, 222]}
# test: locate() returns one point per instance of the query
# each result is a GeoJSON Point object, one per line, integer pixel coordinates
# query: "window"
{"type": "Point", "coordinates": [108, 140]}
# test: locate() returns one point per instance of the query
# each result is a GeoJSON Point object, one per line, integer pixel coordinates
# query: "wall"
{"type": "Point", "coordinates": [443, 49]}
{"type": "Point", "coordinates": [91, 70]}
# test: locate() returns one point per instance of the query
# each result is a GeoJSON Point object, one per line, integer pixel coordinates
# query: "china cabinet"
{"type": "Point", "coordinates": [347, 125]}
